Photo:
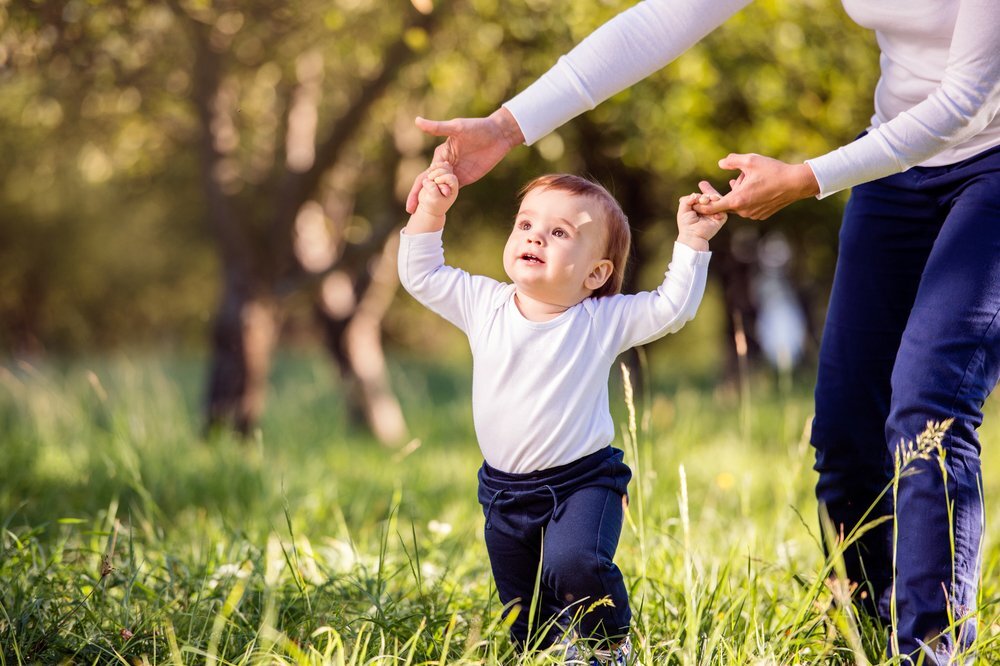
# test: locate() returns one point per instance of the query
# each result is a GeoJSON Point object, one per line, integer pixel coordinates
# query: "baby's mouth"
{"type": "Point", "coordinates": [531, 259]}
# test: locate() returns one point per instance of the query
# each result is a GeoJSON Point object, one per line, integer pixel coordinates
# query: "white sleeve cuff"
{"type": "Point", "coordinates": [686, 254]}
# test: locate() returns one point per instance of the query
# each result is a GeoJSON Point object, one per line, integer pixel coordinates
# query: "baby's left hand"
{"type": "Point", "coordinates": [693, 229]}
{"type": "Point", "coordinates": [439, 189]}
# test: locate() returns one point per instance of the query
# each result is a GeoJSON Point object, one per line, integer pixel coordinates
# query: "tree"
{"type": "Point", "coordinates": [255, 236]}
{"type": "Point", "coordinates": [278, 149]}
{"type": "Point", "coordinates": [95, 246]}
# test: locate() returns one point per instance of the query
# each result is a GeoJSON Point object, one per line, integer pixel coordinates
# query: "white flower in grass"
{"type": "Point", "coordinates": [225, 572]}
{"type": "Point", "coordinates": [339, 555]}
{"type": "Point", "coordinates": [788, 553]}
{"type": "Point", "coordinates": [430, 571]}
{"type": "Point", "coordinates": [439, 529]}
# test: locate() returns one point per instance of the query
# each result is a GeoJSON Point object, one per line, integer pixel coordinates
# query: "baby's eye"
{"type": "Point", "coordinates": [558, 232]}
{"type": "Point", "coordinates": [524, 225]}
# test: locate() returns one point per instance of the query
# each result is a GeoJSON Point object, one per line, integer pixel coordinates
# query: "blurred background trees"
{"type": "Point", "coordinates": [224, 178]}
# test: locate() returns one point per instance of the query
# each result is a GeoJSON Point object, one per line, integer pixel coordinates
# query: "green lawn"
{"type": "Point", "coordinates": [127, 538]}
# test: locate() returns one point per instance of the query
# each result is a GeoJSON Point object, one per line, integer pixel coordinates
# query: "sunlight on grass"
{"type": "Point", "coordinates": [126, 537]}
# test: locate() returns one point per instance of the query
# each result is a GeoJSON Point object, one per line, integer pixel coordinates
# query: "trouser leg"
{"type": "Point", "coordinates": [578, 564]}
{"type": "Point", "coordinates": [884, 244]}
{"type": "Point", "coordinates": [515, 559]}
{"type": "Point", "coordinates": [948, 363]}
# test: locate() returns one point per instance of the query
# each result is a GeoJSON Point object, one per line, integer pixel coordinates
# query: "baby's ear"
{"type": "Point", "coordinates": [600, 274]}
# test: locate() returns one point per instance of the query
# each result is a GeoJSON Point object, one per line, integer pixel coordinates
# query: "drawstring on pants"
{"type": "Point", "coordinates": [497, 494]}
{"type": "Point", "coordinates": [555, 501]}
{"type": "Point", "coordinates": [489, 509]}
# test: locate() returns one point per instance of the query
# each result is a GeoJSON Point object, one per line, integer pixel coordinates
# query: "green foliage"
{"type": "Point", "coordinates": [96, 246]}
{"type": "Point", "coordinates": [103, 240]}
{"type": "Point", "coordinates": [125, 537]}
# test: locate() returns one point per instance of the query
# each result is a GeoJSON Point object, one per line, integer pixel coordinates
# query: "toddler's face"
{"type": "Point", "coordinates": [557, 241]}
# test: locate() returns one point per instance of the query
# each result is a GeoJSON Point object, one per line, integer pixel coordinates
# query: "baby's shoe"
{"type": "Point", "coordinates": [617, 656]}
{"type": "Point", "coordinates": [573, 656]}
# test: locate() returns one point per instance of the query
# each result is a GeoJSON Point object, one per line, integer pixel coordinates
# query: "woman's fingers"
{"type": "Point", "coordinates": [708, 202]}
{"type": "Point", "coordinates": [412, 198]}
{"type": "Point", "coordinates": [715, 206]}
{"type": "Point", "coordinates": [741, 161]}
{"type": "Point", "coordinates": [443, 153]}
{"type": "Point", "coordinates": [438, 127]}
{"type": "Point", "coordinates": [708, 189]}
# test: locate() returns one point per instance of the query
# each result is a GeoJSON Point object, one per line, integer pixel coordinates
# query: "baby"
{"type": "Point", "coordinates": [551, 485]}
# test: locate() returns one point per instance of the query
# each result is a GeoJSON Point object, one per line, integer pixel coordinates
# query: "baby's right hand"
{"type": "Point", "coordinates": [693, 228]}
{"type": "Point", "coordinates": [439, 189]}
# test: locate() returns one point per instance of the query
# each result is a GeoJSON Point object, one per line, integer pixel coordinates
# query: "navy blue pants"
{"type": "Point", "coordinates": [568, 519]}
{"type": "Point", "coordinates": [912, 335]}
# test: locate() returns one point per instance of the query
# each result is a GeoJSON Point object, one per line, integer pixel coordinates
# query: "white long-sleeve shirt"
{"type": "Point", "coordinates": [540, 389]}
{"type": "Point", "coordinates": [936, 101]}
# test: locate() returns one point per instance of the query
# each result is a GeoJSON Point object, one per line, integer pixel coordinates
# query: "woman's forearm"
{"type": "Point", "coordinates": [623, 51]}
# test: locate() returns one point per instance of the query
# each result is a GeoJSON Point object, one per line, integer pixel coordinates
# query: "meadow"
{"type": "Point", "coordinates": [129, 538]}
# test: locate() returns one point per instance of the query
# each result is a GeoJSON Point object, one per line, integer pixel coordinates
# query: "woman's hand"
{"type": "Point", "coordinates": [473, 147]}
{"type": "Point", "coordinates": [764, 186]}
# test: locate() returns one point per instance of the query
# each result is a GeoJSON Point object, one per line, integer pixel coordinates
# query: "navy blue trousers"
{"type": "Point", "coordinates": [568, 520]}
{"type": "Point", "coordinates": [912, 335]}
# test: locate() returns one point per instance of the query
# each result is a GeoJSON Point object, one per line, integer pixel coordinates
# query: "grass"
{"type": "Point", "coordinates": [125, 538]}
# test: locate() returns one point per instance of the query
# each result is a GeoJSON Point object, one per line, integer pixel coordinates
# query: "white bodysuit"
{"type": "Point", "coordinates": [936, 101]}
{"type": "Point", "coordinates": [540, 389]}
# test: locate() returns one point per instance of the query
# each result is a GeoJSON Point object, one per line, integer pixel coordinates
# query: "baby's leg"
{"type": "Point", "coordinates": [580, 545]}
{"type": "Point", "coordinates": [514, 559]}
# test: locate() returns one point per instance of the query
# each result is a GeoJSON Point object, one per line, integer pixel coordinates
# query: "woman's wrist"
{"type": "Point", "coordinates": [509, 129]}
{"type": "Point", "coordinates": [808, 184]}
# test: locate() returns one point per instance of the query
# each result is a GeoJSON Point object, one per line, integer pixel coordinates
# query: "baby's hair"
{"type": "Point", "coordinates": [619, 234]}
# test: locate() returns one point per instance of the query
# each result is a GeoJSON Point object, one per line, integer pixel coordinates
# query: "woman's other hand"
{"type": "Point", "coordinates": [765, 186]}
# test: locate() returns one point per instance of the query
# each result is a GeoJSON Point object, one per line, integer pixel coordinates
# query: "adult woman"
{"type": "Point", "coordinates": [912, 333]}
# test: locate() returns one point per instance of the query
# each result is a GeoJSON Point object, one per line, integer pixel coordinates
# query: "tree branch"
{"type": "Point", "coordinates": [237, 258]}
{"type": "Point", "coordinates": [297, 187]}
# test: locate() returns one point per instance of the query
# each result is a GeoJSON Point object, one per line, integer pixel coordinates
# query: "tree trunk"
{"type": "Point", "coordinates": [245, 328]}
{"type": "Point", "coordinates": [734, 262]}
{"type": "Point", "coordinates": [243, 339]}
{"type": "Point", "coordinates": [350, 312]}
{"type": "Point", "coordinates": [258, 275]}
